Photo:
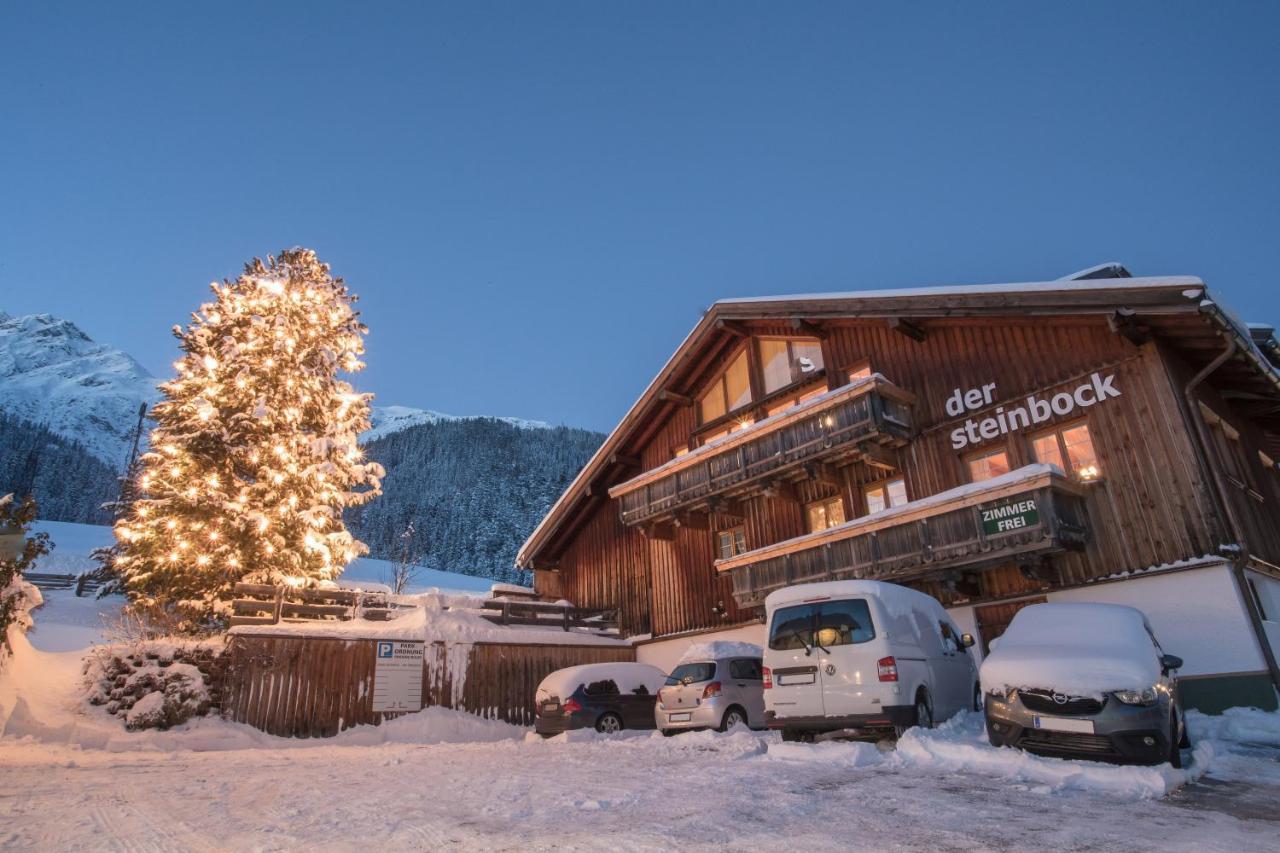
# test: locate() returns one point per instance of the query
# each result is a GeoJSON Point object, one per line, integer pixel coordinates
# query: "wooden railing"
{"type": "Point", "coordinates": [549, 615]}
{"type": "Point", "coordinates": [264, 604]}
{"type": "Point", "coordinates": [85, 584]}
{"type": "Point", "coordinates": [1037, 514]}
{"type": "Point", "coordinates": [849, 422]}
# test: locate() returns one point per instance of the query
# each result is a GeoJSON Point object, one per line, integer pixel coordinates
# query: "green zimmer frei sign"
{"type": "Point", "coordinates": [1010, 516]}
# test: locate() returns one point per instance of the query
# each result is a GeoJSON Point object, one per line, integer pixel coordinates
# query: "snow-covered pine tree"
{"type": "Point", "coordinates": [18, 553]}
{"type": "Point", "coordinates": [254, 453]}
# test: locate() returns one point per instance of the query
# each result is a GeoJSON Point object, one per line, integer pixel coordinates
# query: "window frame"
{"type": "Point", "coordinates": [1058, 432]}
{"type": "Point", "coordinates": [738, 532]}
{"type": "Point", "coordinates": [884, 483]}
{"type": "Point", "coordinates": [983, 453]}
{"type": "Point", "coordinates": [837, 500]}
{"type": "Point", "coordinates": [797, 377]}
{"type": "Point", "coordinates": [721, 381]}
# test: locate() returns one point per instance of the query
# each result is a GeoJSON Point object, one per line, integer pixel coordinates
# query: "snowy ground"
{"type": "Point", "coordinates": [70, 777]}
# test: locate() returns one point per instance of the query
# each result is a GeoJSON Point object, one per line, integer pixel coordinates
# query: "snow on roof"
{"type": "Point", "coordinates": [1077, 648]}
{"type": "Point", "coordinates": [721, 649]}
{"type": "Point", "coordinates": [1064, 286]}
{"type": "Point", "coordinates": [628, 676]}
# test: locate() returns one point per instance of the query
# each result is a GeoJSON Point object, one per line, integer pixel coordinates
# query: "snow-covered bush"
{"type": "Point", "coordinates": [18, 551]}
{"type": "Point", "coordinates": [155, 684]}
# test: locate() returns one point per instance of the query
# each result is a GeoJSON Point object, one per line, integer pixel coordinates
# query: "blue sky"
{"type": "Point", "coordinates": [535, 201]}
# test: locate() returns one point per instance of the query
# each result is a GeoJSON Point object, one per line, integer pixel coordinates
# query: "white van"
{"type": "Point", "coordinates": [857, 656]}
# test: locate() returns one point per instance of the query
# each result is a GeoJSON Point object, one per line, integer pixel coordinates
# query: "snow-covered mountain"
{"type": "Point", "coordinates": [52, 373]}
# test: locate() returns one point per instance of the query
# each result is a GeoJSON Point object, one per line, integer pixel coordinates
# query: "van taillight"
{"type": "Point", "coordinates": [573, 706]}
{"type": "Point", "coordinates": [887, 669]}
{"type": "Point", "coordinates": [711, 690]}
{"type": "Point", "coordinates": [768, 678]}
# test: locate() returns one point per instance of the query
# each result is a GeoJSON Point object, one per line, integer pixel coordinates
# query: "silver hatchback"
{"type": "Point", "coordinates": [712, 694]}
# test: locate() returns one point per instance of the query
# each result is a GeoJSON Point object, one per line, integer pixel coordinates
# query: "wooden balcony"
{"type": "Point", "coordinates": [1032, 512]}
{"type": "Point", "coordinates": [858, 421]}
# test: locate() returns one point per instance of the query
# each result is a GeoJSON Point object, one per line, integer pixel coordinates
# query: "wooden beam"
{"type": "Point", "coordinates": [694, 520]}
{"type": "Point", "coordinates": [779, 489]}
{"type": "Point", "coordinates": [624, 460]}
{"type": "Point", "coordinates": [878, 456]}
{"type": "Point", "coordinates": [821, 472]}
{"type": "Point", "coordinates": [724, 506]}
{"type": "Point", "coordinates": [907, 327]}
{"type": "Point", "coordinates": [733, 327]}
{"type": "Point", "coordinates": [1125, 324]}
{"type": "Point", "coordinates": [664, 530]}
{"type": "Point", "coordinates": [673, 397]}
{"type": "Point", "coordinates": [813, 330]}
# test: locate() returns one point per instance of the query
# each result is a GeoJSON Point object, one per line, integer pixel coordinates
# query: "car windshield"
{"type": "Point", "coordinates": [691, 673]}
{"type": "Point", "coordinates": [822, 624]}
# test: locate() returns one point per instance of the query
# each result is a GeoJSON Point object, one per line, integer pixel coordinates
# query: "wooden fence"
{"type": "Point", "coordinates": [298, 686]}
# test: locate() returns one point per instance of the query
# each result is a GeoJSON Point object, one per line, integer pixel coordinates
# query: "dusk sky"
{"type": "Point", "coordinates": [535, 204]}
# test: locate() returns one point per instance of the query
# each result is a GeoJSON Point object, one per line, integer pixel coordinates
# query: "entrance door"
{"type": "Point", "coordinates": [993, 619]}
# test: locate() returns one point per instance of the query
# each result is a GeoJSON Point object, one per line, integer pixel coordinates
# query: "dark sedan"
{"type": "Point", "coordinates": [608, 697]}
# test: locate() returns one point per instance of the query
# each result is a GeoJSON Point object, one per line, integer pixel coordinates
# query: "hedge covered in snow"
{"type": "Point", "coordinates": [155, 684]}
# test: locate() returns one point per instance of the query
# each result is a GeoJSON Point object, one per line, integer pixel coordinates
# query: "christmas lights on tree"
{"type": "Point", "coordinates": [254, 456]}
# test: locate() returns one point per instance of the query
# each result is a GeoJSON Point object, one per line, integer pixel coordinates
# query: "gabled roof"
{"type": "Point", "coordinates": [1179, 308]}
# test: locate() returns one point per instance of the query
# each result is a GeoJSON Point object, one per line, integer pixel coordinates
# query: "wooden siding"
{"type": "Point", "coordinates": [297, 686]}
{"type": "Point", "coordinates": [1151, 506]}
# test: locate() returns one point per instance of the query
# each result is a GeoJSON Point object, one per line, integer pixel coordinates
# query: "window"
{"type": "Point", "coordinates": [691, 673]}
{"type": "Point", "coordinates": [731, 542]}
{"type": "Point", "coordinates": [747, 669]}
{"type": "Point", "coordinates": [950, 639]}
{"type": "Point", "coordinates": [822, 624]}
{"type": "Point", "coordinates": [732, 390]}
{"type": "Point", "coordinates": [988, 465]}
{"type": "Point", "coordinates": [679, 450]}
{"type": "Point", "coordinates": [825, 513]}
{"type": "Point", "coordinates": [885, 494]}
{"type": "Point", "coordinates": [784, 361]}
{"type": "Point", "coordinates": [1070, 448]}
{"type": "Point", "coordinates": [788, 402]}
{"type": "Point", "coordinates": [729, 429]}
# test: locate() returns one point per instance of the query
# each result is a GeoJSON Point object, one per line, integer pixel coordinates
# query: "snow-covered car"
{"type": "Point", "coordinates": [716, 685]}
{"type": "Point", "coordinates": [1087, 681]}
{"type": "Point", "coordinates": [608, 697]}
{"type": "Point", "coordinates": [848, 658]}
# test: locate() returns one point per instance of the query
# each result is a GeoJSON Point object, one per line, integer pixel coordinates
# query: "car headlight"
{"type": "Point", "coordinates": [1004, 694]}
{"type": "Point", "coordinates": [1145, 696]}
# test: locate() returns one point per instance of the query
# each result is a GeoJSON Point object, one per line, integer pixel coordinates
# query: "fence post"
{"type": "Point", "coordinates": [565, 612]}
{"type": "Point", "coordinates": [279, 605]}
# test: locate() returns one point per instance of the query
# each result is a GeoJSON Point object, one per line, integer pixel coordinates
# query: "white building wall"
{"type": "Point", "coordinates": [664, 654]}
{"type": "Point", "coordinates": [1269, 603]}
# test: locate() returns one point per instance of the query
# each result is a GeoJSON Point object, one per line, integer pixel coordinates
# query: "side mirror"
{"type": "Point", "coordinates": [1170, 662]}
{"type": "Point", "coordinates": [966, 641]}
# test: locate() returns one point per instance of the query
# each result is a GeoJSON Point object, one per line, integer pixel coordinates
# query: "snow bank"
{"type": "Point", "coordinates": [960, 746]}
{"type": "Point", "coordinates": [1239, 725]}
{"type": "Point", "coordinates": [628, 676]}
{"type": "Point", "coordinates": [1081, 649]}
{"type": "Point", "coordinates": [721, 649]}
{"type": "Point", "coordinates": [428, 726]}
{"type": "Point", "coordinates": [840, 754]}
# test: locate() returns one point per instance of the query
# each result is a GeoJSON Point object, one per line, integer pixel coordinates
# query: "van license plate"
{"type": "Point", "coordinates": [805, 678]}
{"type": "Point", "coordinates": [1061, 724]}
{"type": "Point", "coordinates": [681, 718]}
{"type": "Point", "coordinates": [551, 706]}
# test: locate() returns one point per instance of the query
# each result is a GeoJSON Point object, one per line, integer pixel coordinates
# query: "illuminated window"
{"type": "Point", "coordinates": [731, 542]}
{"type": "Point", "coordinates": [785, 361]}
{"type": "Point", "coordinates": [1070, 448]}
{"type": "Point", "coordinates": [732, 390]}
{"type": "Point", "coordinates": [825, 513]}
{"type": "Point", "coordinates": [856, 373]}
{"type": "Point", "coordinates": [885, 494]}
{"type": "Point", "coordinates": [791, 402]}
{"type": "Point", "coordinates": [682, 450]}
{"type": "Point", "coordinates": [988, 465]}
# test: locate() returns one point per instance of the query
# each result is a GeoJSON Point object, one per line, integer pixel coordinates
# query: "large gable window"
{"type": "Point", "coordinates": [732, 390]}
{"type": "Point", "coordinates": [786, 361]}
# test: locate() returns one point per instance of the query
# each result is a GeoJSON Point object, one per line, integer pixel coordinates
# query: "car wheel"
{"type": "Point", "coordinates": [922, 714]}
{"type": "Point", "coordinates": [796, 736]}
{"type": "Point", "coordinates": [1175, 742]}
{"type": "Point", "coordinates": [732, 717]}
{"type": "Point", "coordinates": [609, 724]}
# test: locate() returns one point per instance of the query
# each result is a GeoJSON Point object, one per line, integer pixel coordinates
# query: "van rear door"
{"type": "Point", "coordinates": [795, 664]}
{"type": "Point", "coordinates": [845, 636]}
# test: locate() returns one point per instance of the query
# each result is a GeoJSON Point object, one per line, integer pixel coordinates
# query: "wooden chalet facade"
{"type": "Point", "coordinates": [1096, 439]}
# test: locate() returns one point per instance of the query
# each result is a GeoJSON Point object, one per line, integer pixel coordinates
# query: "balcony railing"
{"type": "Point", "coordinates": [1029, 512]}
{"type": "Point", "coordinates": [849, 422]}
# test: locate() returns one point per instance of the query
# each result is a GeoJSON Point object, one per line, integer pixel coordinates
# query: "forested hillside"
{"type": "Point", "coordinates": [69, 482]}
{"type": "Point", "coordinates": [472, 489]}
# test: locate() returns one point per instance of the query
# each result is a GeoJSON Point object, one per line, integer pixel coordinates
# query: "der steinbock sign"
{"type": "Point", "coordinates": [397, 675]}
